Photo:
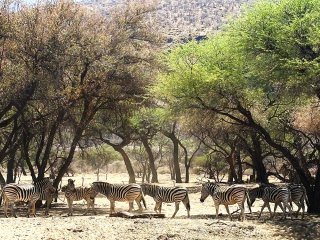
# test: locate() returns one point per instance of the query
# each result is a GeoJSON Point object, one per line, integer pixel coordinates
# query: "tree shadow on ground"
{"type": "Point", "coordinates": [307, 228]}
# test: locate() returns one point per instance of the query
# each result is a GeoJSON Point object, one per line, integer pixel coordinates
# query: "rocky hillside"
{"type": "Point", "coordinates": [181, 20]}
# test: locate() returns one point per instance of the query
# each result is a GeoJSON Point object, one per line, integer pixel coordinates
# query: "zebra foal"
{"type": "Point", "coordinates": [30, 193]}
{"type": "Point", "coordinates": [76, 194]}
{"type": "Point", "coordinates": [279, 196]}
{"type": "Point", "coordinates": [225, 195]}
{"type": "Point", "coordinates": [168, 195]}
{"type": "Point", "coordinates": [120, 192]}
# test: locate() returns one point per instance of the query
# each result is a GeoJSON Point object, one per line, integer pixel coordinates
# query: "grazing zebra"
{"type": "Point", "coordinates": [120, 192]}
{"type": "Point", "coordinates": [168, 195]}
{"type": "Point", "coordinates": [13, 193]}
{"type": "Point", "coordinates": [76, 194]}
{"type": "Point", "coordinates": [298, 196]}
{"type": "Point", "coordinates": [276, 195]}
{"type": "Point", "coordinates": [226, 195]}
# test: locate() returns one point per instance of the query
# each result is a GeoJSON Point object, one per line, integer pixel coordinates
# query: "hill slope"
{"type": "Point", "coordinates": [184, 19]}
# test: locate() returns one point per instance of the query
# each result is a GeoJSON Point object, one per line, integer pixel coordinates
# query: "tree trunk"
{"type": "Point", "coordinates": [10, 168]}
{"type": "Point", "coordinates": [257, 159]}
{"type": "Point", "coordinates": [152, 165]}
{"type": "Point", "coordinates": [176, 159]}
{"type": "Point", "coordinates": [187, 173]}
{"type": "Point", "coordinates": [314, 196]}
{"type": "Point", "coordinates": [127, 162]}
{"type": "Point", "coordinates": [232, 171]}
{"type": "Point", "coordinates": [239, 163]}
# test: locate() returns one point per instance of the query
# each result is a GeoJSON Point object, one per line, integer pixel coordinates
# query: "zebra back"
{"type": "Point", "coordinates": [118, 192]}
{"type": "Point", "coordinates": [150, 189]}
{"type": "Point", "coordinates": [276, 194]}
{"type": "Point", "coordinates": [165, 194]}
{"type": "Point", "coordinates": [20, 192]}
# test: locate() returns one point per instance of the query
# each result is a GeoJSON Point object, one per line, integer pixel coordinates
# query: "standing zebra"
{"type": "Point", "coordinates": [277, 195]}
{"type": "Point", "coordinates": [76, 194]}
{"type": "Point", "coordinates": [120, 192]}
{"type": "Point", "coordinates": [30, 193]}
{"type": "Point", "coordinates": [226, 195]}
{"type": "Point", "coordinates": [168, 195]}
{"type": "Point", "coordinates": [298, 196]}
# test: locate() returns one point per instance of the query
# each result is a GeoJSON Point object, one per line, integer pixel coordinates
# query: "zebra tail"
{"type": "Point", "coordinates": [248, 200]}
{"type": "Point", "coordinates": [187, 201]}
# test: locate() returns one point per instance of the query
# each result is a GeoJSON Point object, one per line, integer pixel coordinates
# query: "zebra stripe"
{"type": "Point", "coordinates": [226, 195]}
{"type": "Point", "coordinates": [76, 194]}
{"type": "Point", "coordinates": [120, 192]}
{"type": "Point", "coordinates": [168, 195]}
{"type": "Point", "coordinates": [277, 195]}
{"type": "Point", "coordinates": [30, 193]}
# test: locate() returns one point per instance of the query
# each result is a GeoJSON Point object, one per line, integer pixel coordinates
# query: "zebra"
{"type": "Point", "coordinates": [121, 192]}
{"type": "Point", "coordinates": [276, 195]}
{"type": "Point", "coordinates": [168, 195]}
{"type": "Point", "coordinates": [298, 196]}
{"type": "Point", "coordinates": [257, 192]}
{"type": "Point", "coordinates": [226, 195]}
{"type": "Point", "coordinates": [13, 193]}
{"type": "Point", "coordinates": [76, 194]}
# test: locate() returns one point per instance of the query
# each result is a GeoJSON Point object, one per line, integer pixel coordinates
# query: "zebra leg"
{"type": "Point", "coordinates": [70, 206]}
{"type": "Point", "coordinates": [299, 204]}
{"type": "Point", "coordinates": [264, 205]}
{"type": "Point", "coordinates": [92, 205]}
{"type": "Point", "coordinates": [88, 206]}
{"type": "Point", "coordinates": [227, 208]}
{"type": "Point", "coordinates": [217, 209]}
{"type": "Point", "coordinates": [112, 206]}
{"type": "Point", "coordinates": [5, 206]}
{"type": "Point", "coordinates": [186, 203]}
{"type": "Point", "coordinates": [48, 203]}
{"type": "Point", "coordinates": [283, 209]}
{"type": "Point", "coordinates": [13, 210]}
{"type": "Point", "coordinates": [303, 208]}
{"type": "Point", "coordinates": [241, 215]}
{"type": "Point", "coordinates": [288, 206]}
{"type": "Point", "coordinates": [130, 206]}
{"type": "Point", "coordinates": [157, 207]}
{"type": "Point", "coordinates": [269, 208]}
{"type": "Point", "coordinates": [33, 204]}
{"type": "Point", "coordinates": [176, 210]}
{"type": "Point", "coordinates": [138, 201]}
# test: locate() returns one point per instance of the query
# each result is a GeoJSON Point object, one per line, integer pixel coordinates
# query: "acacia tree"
{"type": "Point", "coordinates": [249, 75]}
{"type": "Point", "coordinates": [66, 69]}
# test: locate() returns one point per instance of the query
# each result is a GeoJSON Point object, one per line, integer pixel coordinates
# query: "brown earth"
{"type": "Point", "coordinates": [201, 225]}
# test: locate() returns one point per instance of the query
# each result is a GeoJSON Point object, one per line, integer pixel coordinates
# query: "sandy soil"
{"type": "Point", "coordinates": [201, 225]}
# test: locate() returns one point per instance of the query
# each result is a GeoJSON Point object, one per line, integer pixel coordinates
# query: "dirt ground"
{"type": "Point", "coordinates": [201, 225]}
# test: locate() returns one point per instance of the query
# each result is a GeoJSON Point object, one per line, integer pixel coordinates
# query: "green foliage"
{"type": "Point", "coordinates": [268, 60]}
{"type": "Point", "coordinates": [98, 157]}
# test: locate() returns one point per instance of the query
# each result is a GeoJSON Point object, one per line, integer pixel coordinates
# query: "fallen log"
{"type": "Point", "coordinates": [137, 215]}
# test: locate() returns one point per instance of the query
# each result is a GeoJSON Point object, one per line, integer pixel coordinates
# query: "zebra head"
{"type": "Point", "coordinates": [69, 187]}
{"type": "Point", "coordinates": [207, 189]}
